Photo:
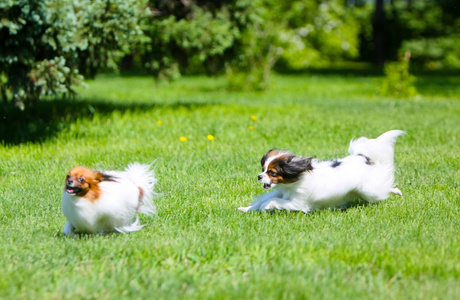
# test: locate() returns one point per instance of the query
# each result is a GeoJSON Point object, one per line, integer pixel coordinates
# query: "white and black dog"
{"type": "Point", "coordinates": [306, 184]}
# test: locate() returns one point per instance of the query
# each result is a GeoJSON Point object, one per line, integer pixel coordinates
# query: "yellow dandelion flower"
{"type": "Point", "coordinates": [254, 118]}
{"type": "Point", "coordinates": [210, 137]}
{"type": "Point", "coordinates": [160, 122]}
{"type": "Point", "coordinates": [183, 139]}
{"type": "Point", "coordinates": [251, 127]}
{"type": "Point", "coordinates": [135, 140]}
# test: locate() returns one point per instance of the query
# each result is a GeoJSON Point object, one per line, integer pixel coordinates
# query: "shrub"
{"type": "Point", "coordinates": [45, 43]}
{"type": "Point", "coordinates": [259, 50]}
{"type": "Point", "coordinates": [179, 34]}
{"type": "Point", "coordinates": [106, 31]}
{"type": "Point", "coordinates": [398, 81]}
{"type": "Point", "coordinates": [36, 42]}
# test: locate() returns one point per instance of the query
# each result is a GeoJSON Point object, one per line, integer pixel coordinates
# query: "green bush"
{"type": "Point", "coordinates": [36, 47]}
{"type": "Point", "coordinates": [259, 46]}
{"type": "Point", "coordinates": [106, 31]}
{"type": "Point", "coordinates": [46, 44]}
{"type": "Point", "coordinates": [398, 82]}
{"type": "Point", "coordinates": [244, 36]}
{"type": "Point", "coordinates": [172, 43]}
{"type": "Point", "coordinates": [202, 34]}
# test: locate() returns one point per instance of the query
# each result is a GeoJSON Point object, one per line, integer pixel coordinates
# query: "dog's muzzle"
{"type": "Point", "coordinates": [73, 190]}
{"type": "Point", "coordinates": [265, 180]}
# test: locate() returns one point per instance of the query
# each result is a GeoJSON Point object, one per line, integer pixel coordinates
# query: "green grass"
{"type": "Point", "coordinates": [199, 246]}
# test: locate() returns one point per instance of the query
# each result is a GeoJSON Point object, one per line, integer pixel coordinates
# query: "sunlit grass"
{"type": "Point", "coordinates": [199, 246]}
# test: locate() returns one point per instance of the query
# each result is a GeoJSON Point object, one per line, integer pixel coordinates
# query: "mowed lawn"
{"type": "Point", "coordinates": [200, 246]}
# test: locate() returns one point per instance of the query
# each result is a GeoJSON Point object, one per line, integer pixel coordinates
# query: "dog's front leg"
{"type": "Point", "coordinates": [245, 209]}
{"type": "Point", "coordinates": [260, 207]}
{"type": "Point", "coordinates": [275, 203]}
{"type": "Point", "coordinates": [266, 204]}
{"type": "Point", "coordinates": [261, 201]}
{"type": "Point", "coordinates": [69, 229]}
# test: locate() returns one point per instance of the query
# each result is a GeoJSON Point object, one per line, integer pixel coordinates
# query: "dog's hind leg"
{"type": "Point", "coordinates": [396, 191]}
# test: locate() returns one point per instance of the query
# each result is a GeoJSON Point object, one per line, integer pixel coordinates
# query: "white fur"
{"type": "Point", "coordinates": [116, 209]}
{"type": "Point", "coordinates": [326, 186]}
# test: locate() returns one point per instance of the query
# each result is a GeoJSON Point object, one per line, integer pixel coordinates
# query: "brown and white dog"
{"type": "Point", "coordinates": [107, 201]}
{"type": "Point", "coordinates": [306, 184]}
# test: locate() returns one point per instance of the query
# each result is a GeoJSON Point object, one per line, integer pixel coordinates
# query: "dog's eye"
{"type": "Point", "coordinates": [67, 177]}
{"type": "Point", "coordinates": [81, 179]}
{"type": "Point", "coordinates": [271, 173]}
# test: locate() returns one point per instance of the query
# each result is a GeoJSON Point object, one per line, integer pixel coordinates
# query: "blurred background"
{"type": "Point", "coordinates": [47, 48]}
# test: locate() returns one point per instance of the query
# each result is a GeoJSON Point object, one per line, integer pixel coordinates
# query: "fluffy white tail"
{"type": "Point", "coordinates": [144, 178]}
{"type": "Point", "coordinates": [135, 226]}
{"type": "Point", "coordinates": [379, 150]}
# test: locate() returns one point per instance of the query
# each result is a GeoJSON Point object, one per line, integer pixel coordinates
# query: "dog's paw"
{"type": "Point", "coordinates": [244, 209]}
{"type": "Point", "coordinates": [396, 191]}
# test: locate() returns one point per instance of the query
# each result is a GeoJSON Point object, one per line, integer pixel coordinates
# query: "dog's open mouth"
{"type": "Point", "coordinates": [71, 190]}
{"type": "Point", "coordinates": [267, 186]}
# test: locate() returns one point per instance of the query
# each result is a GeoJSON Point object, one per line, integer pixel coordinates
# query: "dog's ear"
{"type": "Point", "coordinates": [292, 167]}
{"type": "Point", "coordinates": [99, 177]}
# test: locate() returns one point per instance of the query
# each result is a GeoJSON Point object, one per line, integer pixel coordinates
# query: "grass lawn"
{"type": "Point", "coordinates": [200, 246]}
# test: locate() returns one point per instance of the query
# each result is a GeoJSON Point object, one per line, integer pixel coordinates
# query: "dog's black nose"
{"type": "Point", "coordinates": [259, 177]}
{"type": "Point", "coordinates": [69, 182]}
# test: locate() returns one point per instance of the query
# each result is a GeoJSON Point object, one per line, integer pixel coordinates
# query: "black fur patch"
{"type": "Point", "coordinates": [292, 167]}
{"type": "Point", "coordinates": [107, 177]}
{"type": "Point", "coordinates": [368, 160]}
{"type": "Point", "coordinates": [335, 163]}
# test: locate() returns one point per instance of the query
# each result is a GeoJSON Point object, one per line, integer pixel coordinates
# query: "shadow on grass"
{"type": "Point", "coordinates": [47, 118]}
{"type": "Point", "coordinates": [340, 69]}
{"type": "Point", "coordinates": [437, 84]}
{"type": "Point", "coordinates": [86, 236]}
{"type": "Point", "coordinates": [353, 204]}
{"type": "Point", "coordinates": [364, 70]}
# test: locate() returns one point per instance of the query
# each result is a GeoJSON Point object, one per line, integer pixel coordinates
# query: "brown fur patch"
{"type": "Point", "coordinates": [141, 195]}
{"type": "Point", "coordinates": [85, 182]}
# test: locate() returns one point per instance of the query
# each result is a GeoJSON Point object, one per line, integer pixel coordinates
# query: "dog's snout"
{"type": "Point", "coordinates": [259, 177]}
{"type": "Point", "coordinates": [69, 182]}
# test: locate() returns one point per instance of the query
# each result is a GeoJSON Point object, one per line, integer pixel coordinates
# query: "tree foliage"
{"type": "Point", "coordinates": [422, 22]}
{"type": "Point", "coordinates": [318, 32]}
{"type": "Point", "coordinates": [47, 44]}
{"type": "Point", "coordinates": [181, 34]}
{"type": "Point", "coordinates": [34, 53]}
